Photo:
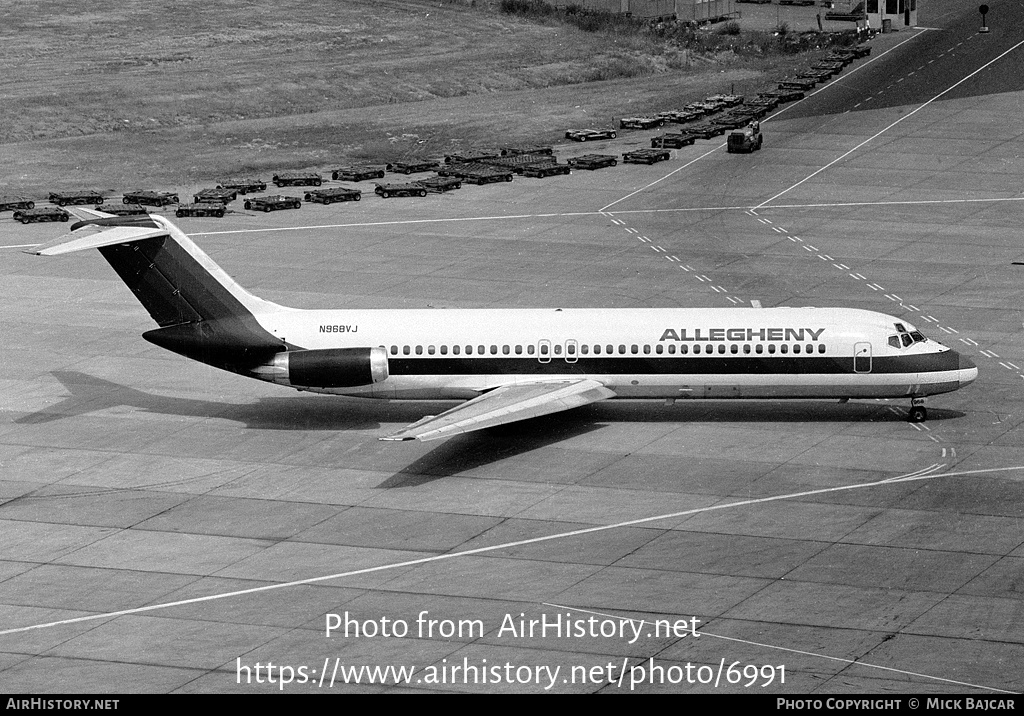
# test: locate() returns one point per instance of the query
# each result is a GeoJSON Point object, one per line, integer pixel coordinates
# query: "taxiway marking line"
{"type": "Point", "coordinates": [843, 76]}
{"type": "Point", "coordinates": [865, 664]}
{"type": "Point", "coordinates": [555, 215]}
{"type": "Point", "coordinates": [886, 129]}
{"type": "Point", "coordinates": [910, 477]}
{"type": "Point", "coordinates": [657, 181]}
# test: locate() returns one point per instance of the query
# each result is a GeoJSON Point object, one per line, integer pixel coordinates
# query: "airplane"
{"type": "Point", "coordinates": [511, 364]}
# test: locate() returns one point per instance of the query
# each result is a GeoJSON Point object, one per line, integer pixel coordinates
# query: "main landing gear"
{"type": "Point", "coordinates": [918, 413]}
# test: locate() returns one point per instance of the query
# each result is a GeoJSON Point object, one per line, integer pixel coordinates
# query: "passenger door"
{"type": "Point", "coordinates": [862, 358]}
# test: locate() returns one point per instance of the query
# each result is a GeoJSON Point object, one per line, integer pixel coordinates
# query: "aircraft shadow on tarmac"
{"type": "Point", "coordinates": [89, 394]}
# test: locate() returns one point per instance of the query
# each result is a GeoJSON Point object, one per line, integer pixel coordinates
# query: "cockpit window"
{"type": "Point", "coordinates": [905, 338]}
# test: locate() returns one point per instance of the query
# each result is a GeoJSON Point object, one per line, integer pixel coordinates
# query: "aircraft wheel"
{"type": "Point", "coordinates": [31, 205]}
{"type": "Point", "coordinates": [918, 414]}
{"type": "Point", "coordinates": [357, 197]}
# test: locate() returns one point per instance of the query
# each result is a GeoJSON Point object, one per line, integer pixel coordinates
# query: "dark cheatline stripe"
{"type": "Point", "coordinates": [667, 365]}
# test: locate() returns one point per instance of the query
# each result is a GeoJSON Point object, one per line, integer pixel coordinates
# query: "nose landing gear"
{"type": "Point", "coordinates": [918, 413]}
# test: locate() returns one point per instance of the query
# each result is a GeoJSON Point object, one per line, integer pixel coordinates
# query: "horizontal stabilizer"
{"type": "Point", "coordinates": [92, 236]}
{"type": "Point", "coordinates": [506, 404]}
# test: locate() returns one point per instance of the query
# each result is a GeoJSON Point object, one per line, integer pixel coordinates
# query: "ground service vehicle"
{"type": "Point", "coordinates": [63, 198]}
{"type": "Point", "coordinates": [242, 186]}
{"type": "Point", "coordinates": [727, 100]}
{"type": "Point", "coordinates": [329, 196]}
{"type": "Point", "coordinates": [797, 83]}
{"type": "Point", "coordinates": [769, 102]}
{"type": "Point", "coordinates": [358, 173]}
{"type": "Point", "coordinates": [748, 139]}
{"type": "Point", "coordinates": [549, 169]}
{"type": "Point", "coordinates": [149, 198]}
{"type": "Point", "coordinates": [784, 95]}
{"type": "Point", "coordinates": [518, 162]}
{"type": "Point", "coordinates": [593, 161]}
{"type": "Point", "coordinates": [471, 155]}
{"type": "Point", "coordinates": [43, 213]}
{"type": "Point", "coordinates": [672, 140]}
{"type": "Point", "coordinates": [389, 190]}
{"type": "Point", "coordinates": [680, 116]}
{"type": "Point", "coordinates": [494, 176]}
{"type": "Point", "coordinates": [476, 172]}
{"type": "Point", "coordinates": [122, 209]}
{"type": "Point", "coordinates": [272, 202]}
{"type": "Point", "coordinates": [297, 179]}
{"type": "Point", "coordinates": [206, 208]}
{"type": "Point", "coordinates": [641, 122]}
{"type": "Point", "coordinates": [728, 122]}
{"type": "Point", "coordinates": [219, 195]}
{"type": "Point", "coordinates": [12, 203]}
{"type": "Point", "coordinates": [439, 185]}
{"type": "Point", "coordinates": [589, 135]}
{"type": "Point", "coordinates": [706, 130]}
{"type": "Point", "coordinates": [528, 149]}
{"type": "Point", "coordinates": [413, 167]}
{"type": "Point", "coordinates": [646, 156]}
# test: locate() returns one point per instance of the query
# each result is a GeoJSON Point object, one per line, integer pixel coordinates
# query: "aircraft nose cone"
{"type": "Point", "coordinates": [968, 371]}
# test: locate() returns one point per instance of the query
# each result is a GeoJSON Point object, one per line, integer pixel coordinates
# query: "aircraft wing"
{"type": "Point", "coordinates": [505, 404]}
{"type": "Point", "coordinates": [85, 214]}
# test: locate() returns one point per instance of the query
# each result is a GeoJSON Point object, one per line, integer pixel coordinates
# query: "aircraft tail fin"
{"type": "Point", "coordinates": [202, 312]}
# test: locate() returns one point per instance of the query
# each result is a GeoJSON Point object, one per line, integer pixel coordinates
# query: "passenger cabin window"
{"type": "Point", "coordinates": [821, 348]}
{"type": "Point", "coordinates": [444, 350]}
{"type": "Point", "coordinates": [519, 350]}
{"type": "Point", "coordinates": [406, 350]}
{"type": "Point", "coordinates": [419, 350]}
{"type": "Point", "coordinates": [505, 350]}
{"type": "Point", "coordinates": [672, 349]}
{"type": "Point", "coordinates": [456, 349]}
{"type": "Point", "coordinates": [394, 350]}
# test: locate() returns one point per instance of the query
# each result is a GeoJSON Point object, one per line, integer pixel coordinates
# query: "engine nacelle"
{"type": "Point", "coordinates": [327, 368]}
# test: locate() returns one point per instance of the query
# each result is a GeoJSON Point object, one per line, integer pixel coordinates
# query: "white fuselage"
{"type": "Point", "coordinates": [638, 353]}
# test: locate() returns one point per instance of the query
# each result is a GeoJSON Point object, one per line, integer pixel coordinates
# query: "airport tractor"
{"type": "Point", "coordinates": [748, 139]}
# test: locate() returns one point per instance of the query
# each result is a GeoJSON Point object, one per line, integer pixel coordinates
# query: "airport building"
{"type": "Point", "coordinates": [886, 14]}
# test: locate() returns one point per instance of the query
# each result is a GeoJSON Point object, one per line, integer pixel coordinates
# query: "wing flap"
{"type": "Point", "coordinates": [506, 404]}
